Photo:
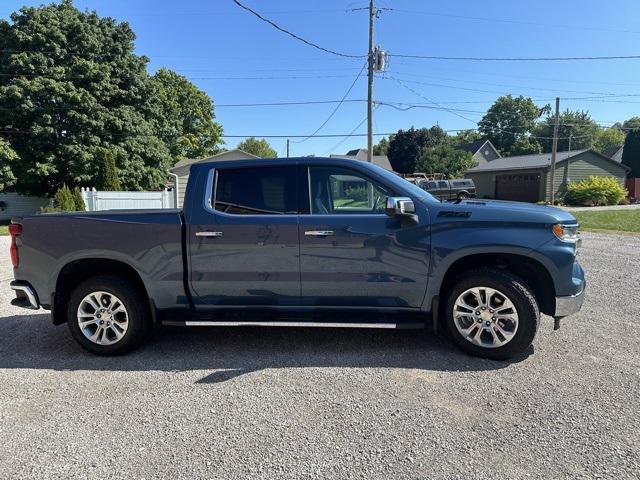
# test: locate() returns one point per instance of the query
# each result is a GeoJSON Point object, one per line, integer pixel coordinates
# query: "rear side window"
{"type": "Point", "coordinates": [461, 183]}
{"type": "Point", "coordinates": [443, 184]}
{"type": "Point", "coordinates": [256, 191]}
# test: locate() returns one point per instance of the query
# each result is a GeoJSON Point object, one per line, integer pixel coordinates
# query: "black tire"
{"type": "Point", "coordinates": [516, 291]}
{"type": "Point", "coordinates": [463, 196]}
{"type": "Point", "coordinates": [132, 298]}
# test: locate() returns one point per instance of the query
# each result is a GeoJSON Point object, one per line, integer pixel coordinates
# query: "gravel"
{"type": "Point", "coordinates": [315, 403]}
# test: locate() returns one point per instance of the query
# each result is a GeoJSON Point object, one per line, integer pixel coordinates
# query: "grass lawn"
{"type": "Point", "coordinates": [621, 220]}
{"type": "Point", "coordinates": [4, 230]}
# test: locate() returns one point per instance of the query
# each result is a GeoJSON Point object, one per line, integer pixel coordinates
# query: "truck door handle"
{"type": "Point", "coordinates": [318, 233]}
{"type": "Point", "coordinates": [208, 234]}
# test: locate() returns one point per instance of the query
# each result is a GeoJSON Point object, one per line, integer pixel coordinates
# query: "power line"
{"type": "Point", "coordinates": [516, 59]}
{"type": "Point", "coordinates": [297, 37]}
{"type": "Point", "coordinates": [499, 130]}
{"type": "Point", "coordinates": [88, 77]}
{"type": "Point", "coordinates": [352, 134]}
{"type": "Point", "coordinates": [428, 99]}
{"type": "Point", "coordinates": [337, 106]}
{"type": "Point", "coordinates": [474, 82]}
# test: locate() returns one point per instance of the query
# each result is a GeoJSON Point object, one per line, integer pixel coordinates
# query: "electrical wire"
{"type": "Point", "coordinates": [516, 59]}
{"type": "Point", "coordinates": [337, 106]}
{"type": "Point", "coordinates": [297, 37]}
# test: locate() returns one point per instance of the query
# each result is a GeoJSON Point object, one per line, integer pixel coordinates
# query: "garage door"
{"type": "Point", "coordinates": [523, 187]}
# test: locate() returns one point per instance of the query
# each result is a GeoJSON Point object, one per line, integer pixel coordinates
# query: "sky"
{"type": "Point", "coordinates": [238, 59]}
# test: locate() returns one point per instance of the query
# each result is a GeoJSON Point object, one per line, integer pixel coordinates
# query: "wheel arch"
{"type": "Point", "coordinates": [533, 273]}
{"type": "Point", "coordinates": [79, 270]}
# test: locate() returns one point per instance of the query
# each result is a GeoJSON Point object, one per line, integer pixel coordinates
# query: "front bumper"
{"type": "Point", "coordinates": [569, 305]}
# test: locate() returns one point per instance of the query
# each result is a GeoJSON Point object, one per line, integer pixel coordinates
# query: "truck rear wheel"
{"type": "Point", "coordinates": [491, 313]}
{"type": "Point", "coordinates": [107, 316]}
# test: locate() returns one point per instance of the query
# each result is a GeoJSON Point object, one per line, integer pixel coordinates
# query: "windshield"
{"type": "Point", "coordinates": [405, 185]}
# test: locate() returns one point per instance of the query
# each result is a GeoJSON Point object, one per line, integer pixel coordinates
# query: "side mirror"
{"type": "Point", "coordinates": [400, 207]}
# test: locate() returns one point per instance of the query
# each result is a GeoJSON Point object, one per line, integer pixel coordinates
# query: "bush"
{"type": "Point", "coordinates": [78, 201]}
{"type": "Point", "coordinates": [66, 200]}
{"type": "Point", "coordinates": [63, 200]}
{"type": "Point", "coordinates": [595, 191]}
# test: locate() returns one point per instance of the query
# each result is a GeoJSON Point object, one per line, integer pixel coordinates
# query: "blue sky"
{"type": "Point", "coordinates": [236, 58]}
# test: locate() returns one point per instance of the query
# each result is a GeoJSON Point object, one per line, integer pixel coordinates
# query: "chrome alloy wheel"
{"type": "Point", "coordinates": [103, 318]}
{"type": "Point", "coordinates": [485, 317]}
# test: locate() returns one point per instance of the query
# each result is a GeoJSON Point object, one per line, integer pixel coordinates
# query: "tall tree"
{"type": "Point", "coordinates": [259, 148]}
{"type": "Point", "coordinates": [186, 117]}
{"type": "Point", "coordinates": [608, 137]}
{"type": "Point", "coordinates": [509, 119]}
{"type": "Point", "coordinates": [631, 153]}
{"type": "Point", "coordinates": [576, 128]}
{"type": "Point", "coordinates": [108, 178]}
{"type": "Point", "coordinates": [71, 86]}
{"type": "Point", "coordinates": [407, 146]}
{"type": "Point", "coordinates": [450, 161]}
{"type": "Point", "coordinates": [8, 159]}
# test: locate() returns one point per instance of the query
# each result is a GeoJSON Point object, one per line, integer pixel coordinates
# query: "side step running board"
{"type": "Point", "coordinates": [197, 323]}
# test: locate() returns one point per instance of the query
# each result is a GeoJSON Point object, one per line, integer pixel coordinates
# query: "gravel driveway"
{"type": "Point", "coordinates": [316, 403]}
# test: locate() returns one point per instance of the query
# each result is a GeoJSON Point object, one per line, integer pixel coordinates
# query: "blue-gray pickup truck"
{"type": "Point", "coordinates": [302, 235]}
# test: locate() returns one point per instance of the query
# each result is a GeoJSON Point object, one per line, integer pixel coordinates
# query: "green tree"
{"type": "Point", "coordinates": [63, 200]}
{"type": "Point", "coordinates": [509, 119]}
{"type": "Point", "coordinates": [108, 178]}
{"type": "Point", "coordinates": [631, 153]}
{"type": "Point", "coordinates": [78, 201]}
{"type": "Point", "coordinates": [629, 123]}
{"type": "Point", "coordinates": [382, 147]}
{"type": "Point", "coordinates": [446, 159]}
{"type": "Point", "coordinates": [574, 125]}
{"type": "Point", "coordinates": [608, 137]}
{"type": "Point", "coordinates": [525, 146]}
{"type": "Point", "coordinates": [8, 159]}
{"type": "Point", "coordinates": [71, 86]}
{"type": "Point", "coordinates": [465, 136]}
{"type": "Point", "coordinates": [259, 148]}
{"type": "Point", "coordinates": [186, 117]}
{"type": "Point", "coordinates": [407, 146]}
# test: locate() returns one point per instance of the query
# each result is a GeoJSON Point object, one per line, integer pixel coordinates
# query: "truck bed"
{"type": "Point", "coordinates": [150, 241]}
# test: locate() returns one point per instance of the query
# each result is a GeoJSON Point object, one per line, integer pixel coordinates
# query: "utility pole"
{"type": "Point", "coordinates": [554, 150]}
{"type": "Point", "coordinates": [372, 14]}
{"type": "Point", "coordinates": [287, 148]}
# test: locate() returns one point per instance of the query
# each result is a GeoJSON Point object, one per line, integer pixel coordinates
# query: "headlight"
{"type": "Point", "coordinates": [567, 233]}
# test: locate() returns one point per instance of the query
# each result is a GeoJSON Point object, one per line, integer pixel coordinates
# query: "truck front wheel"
{"type": "Point", "coordinates": [107, 316]}
{"type": "Point", "coordinates": [491, 313]}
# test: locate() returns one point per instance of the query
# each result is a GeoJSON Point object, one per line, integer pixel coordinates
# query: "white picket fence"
{"type": "Point", "coordinates": [103, 200]}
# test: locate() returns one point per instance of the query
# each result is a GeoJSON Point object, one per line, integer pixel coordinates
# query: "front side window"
{"type": "Point", "coordinates": [256, 191]}
{"type": "Point", "coordinates": [336, 190]}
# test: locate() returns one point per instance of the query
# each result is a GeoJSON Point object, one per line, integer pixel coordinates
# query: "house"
{"type": "Point", "coordinates": [482, 151]}
{"type": "Point", "coordinates": [361, 154]}
{"type": "Point", "coordinates": [527, 178]}
{"type": "Point", "coordinates": [181, 169]}
{"type": "Point", "coordinates": [615, 153]}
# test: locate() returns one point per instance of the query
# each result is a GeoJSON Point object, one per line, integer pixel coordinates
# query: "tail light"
{"type": "Point", "coordinates": [15, 230]}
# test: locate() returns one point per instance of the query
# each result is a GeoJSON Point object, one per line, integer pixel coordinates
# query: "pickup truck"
{"type": "Point", "coordinates": [305, 235]}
